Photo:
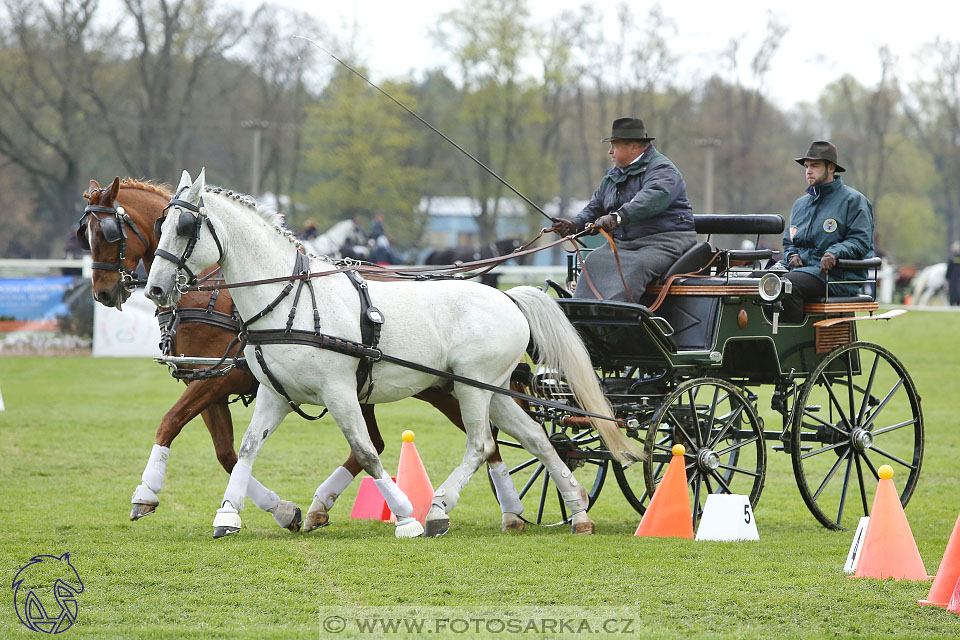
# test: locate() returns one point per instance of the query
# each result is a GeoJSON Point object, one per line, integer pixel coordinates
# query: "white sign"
{"type": "Point", "coordinates": [133, 332]}
{"type": "Point", "coordinates": [727, 517]}
{"type": "Point", "coordinates": [853, 557]}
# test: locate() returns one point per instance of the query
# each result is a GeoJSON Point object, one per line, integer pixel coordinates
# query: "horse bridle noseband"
{"type": "Point", "coordinates": [113, 230]}
{"type": "Point", "coordinates": [188, 226]}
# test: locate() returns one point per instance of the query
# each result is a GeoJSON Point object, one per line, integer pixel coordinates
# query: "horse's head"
{"type": "Point", "coordinates": [102, 229]}
{"type": "Point", "coordinates": [188, 243]}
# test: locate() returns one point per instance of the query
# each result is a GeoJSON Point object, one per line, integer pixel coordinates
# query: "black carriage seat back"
{"type": "Point", "coordinates": [844, 263]}
{"type": "Point", "coordinates": [693, 259]}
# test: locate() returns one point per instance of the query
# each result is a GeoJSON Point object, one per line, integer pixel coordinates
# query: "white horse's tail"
{"type": "Point", "coordinates": [560, 349]}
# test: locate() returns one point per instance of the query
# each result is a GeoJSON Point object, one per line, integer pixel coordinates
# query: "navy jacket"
{"type": "Point", "coordinates": [650, 195]}
{"type": "Point", "coordinates": [831, 218]}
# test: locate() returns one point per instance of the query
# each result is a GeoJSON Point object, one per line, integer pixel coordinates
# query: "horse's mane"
{"type": "Point", "coordinates": [276, 219]}
{"type": "Point", "coordinates": [158, 188]}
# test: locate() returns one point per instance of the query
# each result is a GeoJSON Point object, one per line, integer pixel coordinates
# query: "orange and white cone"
{"type": "Point", "coordinates": [948, 575]}
{"type": "Point", "coordinates": [889, 550]}
{"type": "Point", "coordinates": [669, 514]}
{"type": "Point", "coordinates": [413, 480]}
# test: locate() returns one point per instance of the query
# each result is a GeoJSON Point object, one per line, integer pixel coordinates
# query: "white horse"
{"type": "Point", "coordinates": [460, 327]}
{"type": "Point", "coordinates": [929, 282]}
{"type": "Point", "coordinates": [329, 244]}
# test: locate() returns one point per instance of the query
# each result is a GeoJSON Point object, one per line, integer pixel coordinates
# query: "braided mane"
{"type": "Point", "coordinates": [276, 219]}
{"type": "Point", "coordinates": [149, 186]}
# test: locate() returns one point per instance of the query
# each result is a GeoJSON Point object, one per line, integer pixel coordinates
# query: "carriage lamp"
{"type": "Point", "coordinates": [771, 286]}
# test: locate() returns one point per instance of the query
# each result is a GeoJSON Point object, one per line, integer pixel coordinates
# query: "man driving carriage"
{"type": "Point", "coordinates": [642, 200]}
{"type": "Point", "coordinates": [830, 221]}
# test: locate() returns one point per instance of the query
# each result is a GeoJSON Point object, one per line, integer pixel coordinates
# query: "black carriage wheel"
{"type": "Point", "coordinates": [723, 437]}
{"type": "Point", "coordinates": [860, 410]}
{"type": "Point", "coordinates": [582, 452]}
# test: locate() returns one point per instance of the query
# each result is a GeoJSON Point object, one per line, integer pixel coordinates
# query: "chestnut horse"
{"type": "Point", "coordinates": [137, 205]}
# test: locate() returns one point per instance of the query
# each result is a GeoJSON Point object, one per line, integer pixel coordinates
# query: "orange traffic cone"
{"type": "Point", "coordinates": [954, 605]}
{"type": "Point", "coordinates": [889, 550]}
{"type": "Point", "coordinates": [669, 515]}
{"type": "Point", "coordinates": [948, 574]}
{"type": "Point", "coordinates": [413, 480]}
{"type": "Point", "coordinates": [370, 504]}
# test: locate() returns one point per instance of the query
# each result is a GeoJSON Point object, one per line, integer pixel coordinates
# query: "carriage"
{"type": "Point", "coordinates": [691, 373]}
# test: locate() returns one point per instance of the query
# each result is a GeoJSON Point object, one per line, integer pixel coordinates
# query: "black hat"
{"type": "Point", "coordinates": [628, 129]}
{"type": "Point", "coordinates": [822, 150]}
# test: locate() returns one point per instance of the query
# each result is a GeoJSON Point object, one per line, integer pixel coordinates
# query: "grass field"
{"type": "Point", "coordinates": [77, 431]}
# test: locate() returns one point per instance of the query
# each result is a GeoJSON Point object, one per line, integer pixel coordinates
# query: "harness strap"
{"type": "Point", "coordinates": [371, 322]}
{"type": "Point", "coordinates": [278, 387]}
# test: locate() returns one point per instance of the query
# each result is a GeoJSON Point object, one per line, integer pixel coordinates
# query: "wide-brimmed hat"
{"type": "Point", "coordinates": [628, 129]}
{"type": "Point", "coordinates": [822, 150]}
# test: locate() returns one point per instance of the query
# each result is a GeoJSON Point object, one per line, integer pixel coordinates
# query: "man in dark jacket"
{"type": "Point", "coordinates": [832, 221]}
{"type": "Point", "coordinates": [642, 200]}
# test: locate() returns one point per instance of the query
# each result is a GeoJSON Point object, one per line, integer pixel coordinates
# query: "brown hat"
{"type": "Point", "coordinates": [628, 129]}
{"type": "Point", "coordinates": [822, 150]}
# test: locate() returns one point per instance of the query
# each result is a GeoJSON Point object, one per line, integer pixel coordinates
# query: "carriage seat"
{"type": "Point", "coordinates": [693, 259]}
{"type": "Point", "coordinates": [845, 304]}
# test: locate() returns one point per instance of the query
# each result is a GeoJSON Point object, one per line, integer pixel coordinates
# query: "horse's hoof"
{"type": "Point", "coordinates": [583, 528]}
{"type": "Point", "coordinates": [220, 532]}
{"type": "Point", "coordinates": [512, 522]}
{"type": "Point", "coordinates": [315, 520]}
{"type": "Point", "coordinates": [437, 527]}
{"type": "Point", "coordinates": [409, 528]}
{"type": "Point", "coordinates": [294, 526]}
{"type": "Point", "coordinates": [142, 510]}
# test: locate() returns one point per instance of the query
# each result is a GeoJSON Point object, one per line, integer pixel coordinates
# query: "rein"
{"type": "Point", "coordinates": [129, 277]}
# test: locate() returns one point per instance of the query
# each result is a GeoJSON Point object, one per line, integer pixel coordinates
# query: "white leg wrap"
{"type": "Point", "coordinates": [397, 500]}
{"type": "Point", "coordinates": [331, 488]}
{"type": "Point", "coordinates": [261, 496]}
{"type": "Point", "coordinates": [156, 468]}
{"type": "Point", "coordinates": [144, 495]}
{"type": "Point", "coordinates": [574, 495]}
{"type": "Point", "coordinates": [237, 488]}
{"type": "Point", "coordinates": [447, 496]}
{"type": "Point", "coordinates": [284, 513]}
{"type": "Point", "coordinates": [506, 492]}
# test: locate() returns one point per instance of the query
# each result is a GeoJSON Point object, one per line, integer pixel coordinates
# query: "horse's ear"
{"type": "Point", "coordinates": [185, 180]}
{"type": "Point", "coordinates": [114, 190]}
{"type": "Point", "coordinates": [201, 179]}
{"type": "Point", "coordinates": [94, 185]}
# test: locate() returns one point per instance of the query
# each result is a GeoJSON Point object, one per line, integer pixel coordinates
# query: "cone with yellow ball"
{"type": "Point", "coordinates": [669, 514]}
{"type": "Point", "coordinates": [889, 550]}
{"type": "Point", "coordinates": [412, 478]}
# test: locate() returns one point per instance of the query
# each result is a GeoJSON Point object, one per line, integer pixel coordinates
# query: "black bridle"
{"type": "Point", "coordinates": [190, 220]}
{"type": "Point", "coordinates": [112, 227]}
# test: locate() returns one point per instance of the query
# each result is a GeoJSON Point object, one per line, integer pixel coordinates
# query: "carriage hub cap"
{"type": "Point", "coordinates": [861, 439]}
{"type": "Point", "coordinates": [708, 460]}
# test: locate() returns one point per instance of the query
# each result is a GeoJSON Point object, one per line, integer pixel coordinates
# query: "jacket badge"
{"type": "Point", "coordinates": [829, 225]}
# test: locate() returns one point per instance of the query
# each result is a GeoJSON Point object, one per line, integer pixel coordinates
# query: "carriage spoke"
{"type": "Point", "coordinates": [868, 389]}
{"type": "Point", "coordinates": [843, 490]}
{"type": "Point", "coordinates": [543, 497]}
{"type": "Point", "coordinates": [873, 469]}
{"type": "Point", "coordinates": [727, 423]}
{"type": "Point", "coordinates": [508, 443]}
{"type": "Point", "coordinates": [893, 457]}
{"type": "Point", "coordinates": [880, 407]}
{"type": "Point", "coordinates": [529, 483]}
{"type": "Point", "coordinates": [723, 485]}
{"type": "Point", "coordinates": [829, 476]}
{"type": "Point", "coordinates": [829, 447]}
{"type": "Point", "coordinates": [695, 417]}
{"type": "Point", "coordinates": [679, 427]}
{"type": "Point", "coordinates": [713, 412]}
{"type": "Point", "coordinates": [739, 470]}
{"type": "Point", "coordinates": [738, 445]}
{"type": "Point", "coordinates": [863, 489]}
{"type": "Point", "coordinates": [523, 465]}
{"type": "Point", "coordinates": [836, 403]}
{"type": "Point", "coordinates": [905, 423]}
{"type": "Point", "coordinates": [809, 414]}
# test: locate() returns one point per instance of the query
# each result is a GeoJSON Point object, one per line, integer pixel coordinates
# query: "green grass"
{"type": "Point", "coordinates": [77, 431]}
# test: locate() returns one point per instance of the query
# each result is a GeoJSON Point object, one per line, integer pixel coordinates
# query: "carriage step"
{"type": "Point", "coordinates": [787, 447]}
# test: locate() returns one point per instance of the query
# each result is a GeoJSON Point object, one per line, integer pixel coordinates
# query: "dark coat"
{"type": "Point", "coordinates": [650, 195]}
{"type": "Point", "coordinates": [831, 218]}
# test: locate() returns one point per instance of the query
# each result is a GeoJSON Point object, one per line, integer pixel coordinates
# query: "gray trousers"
{"type": "Point", "coordinates": [643, 260]}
